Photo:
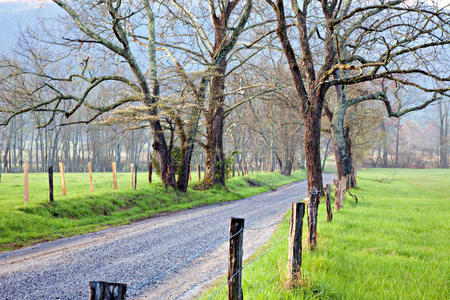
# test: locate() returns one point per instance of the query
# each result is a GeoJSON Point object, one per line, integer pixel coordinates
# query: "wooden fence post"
{"type": "Point", "coordinates": [150, 171]}
{"type": "Point", "coordinates": [63, 178]}
{"type": "Point", "coordinates": [25, 182]}
{"type": "Point", "coordinates": [132, 174]}
{"type": "Point", "coordinates": [50, 183]}
{"type": "Point", "coordinates": [295, 241]}
{"type": "Point", "coordinates": [198, 173]}
{"type": "Point", "coordinates": [336, 195]}
{"type": "Point", "coordinates": [313, 207]}
{"type": "Point", "coordinates": [343, 193]}
{"type": "Point", "coordinates": [101, 290]}
{"type": "Point", "coordinates": [235, 259]}
{"type": "Point", "coordinates": [329, 212]}
{"type": "Point", "coordinates": [90, 177]}
{"type": "Point", "coordinates": [113, 165]}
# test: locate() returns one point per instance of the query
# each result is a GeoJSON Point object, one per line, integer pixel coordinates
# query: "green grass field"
{"type": "Point", "coordinates": [81, 211]}
{"type": "Point", "coordinates": [393, 244]}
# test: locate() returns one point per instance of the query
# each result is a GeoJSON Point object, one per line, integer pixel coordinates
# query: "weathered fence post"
{"type": "Point", "coordinates": [198, 173]}
{"type": "Point", "coordinates": [63, 178]}
{"type": "Point", "coordinates": [25, 182]}
{"type": "Point", "coordinates": [295, 241]}
{"type": "Point", "coordinates": [329, 212]}
{"type": "Point", "coordinates": [90, 177]}
{"type": "Point", "coordinates": [235, 259]}
{"type": "Point", "coordinates": [343, 193]}
{"type": "Point", "coordinates": [313, 207]}
{"type": "Point", "coordinates": [50, 183]}
{"type": "Point", "coordinates": [113, 165]}
{"type": "Point", "coordinates": [336, 195]}
{"type": "Point", "coordinates": [101, 290]}
{"type": "Point", "coordinates": [150, 171]}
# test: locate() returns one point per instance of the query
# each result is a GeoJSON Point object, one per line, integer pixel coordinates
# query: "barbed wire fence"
{"type": "Point", "coordinates": [232, 238]}
{"type": "Point", "coordinates": [235, 266]}
{"type": "Point", "coordinates": [235, 257]}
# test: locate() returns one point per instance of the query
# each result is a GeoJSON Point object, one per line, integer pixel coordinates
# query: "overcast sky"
{"type": "Point", "coordinates": [16, 14]}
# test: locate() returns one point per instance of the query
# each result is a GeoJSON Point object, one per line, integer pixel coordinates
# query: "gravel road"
{"type": "Point", "coordinates": [168, 257]}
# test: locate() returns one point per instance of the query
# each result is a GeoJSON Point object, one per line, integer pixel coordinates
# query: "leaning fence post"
{"type": "Point", "coordinates": [295, 241]}
{"type": "Point", "coordinates": [50, 183]}
{"type": "Point", "coordinates": [313, 207]}
{"type": "Point", "coordinates": [101, 290]}
{"type": "Point", "coordinates": [329, 212]}
{"type": "Point", "coordinates": [235, 259]}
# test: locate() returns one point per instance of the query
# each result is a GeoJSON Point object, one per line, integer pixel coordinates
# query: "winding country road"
{"type": "Point", "coordinates": [168, 257]}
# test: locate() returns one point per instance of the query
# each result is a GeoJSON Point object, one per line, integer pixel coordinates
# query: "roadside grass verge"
{"type": "Point", "coordinates": [81, 211]}
{"type": "Point", "coordinates": [393, 244]}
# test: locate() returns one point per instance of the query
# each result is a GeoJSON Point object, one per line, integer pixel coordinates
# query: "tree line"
{"type": "Point", "coordinates": [196, 80]}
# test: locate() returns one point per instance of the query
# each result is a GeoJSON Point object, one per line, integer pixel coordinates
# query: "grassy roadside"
{"type": "Point", "coordinates": [80, 211]}
{"type": "Point", "coordinates": [393, 244]}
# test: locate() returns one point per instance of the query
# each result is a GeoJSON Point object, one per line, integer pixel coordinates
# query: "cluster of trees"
{"type": "Point", "coordinates": [412, 143]}
{"type": "Point", "coordinates": [204, 80]}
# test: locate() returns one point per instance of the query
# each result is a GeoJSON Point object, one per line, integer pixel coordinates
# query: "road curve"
{"type": "Point", "coordinates": [156, 258]}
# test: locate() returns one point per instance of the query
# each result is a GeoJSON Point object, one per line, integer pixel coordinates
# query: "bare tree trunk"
{"type": "Point", "coordinates": [215, 157]}
{"type": "Point", "coordinates": [443, 134]}
{"type": "Point", "coordinates": [30, 151]}
{"type": "Point", "coordinates": [312, 150]}
{"type": "Point", "coordinates": [397, 142]}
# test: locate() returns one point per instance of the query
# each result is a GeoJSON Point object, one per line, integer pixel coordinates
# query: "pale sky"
{"type": "Point", "coordinates": [15, 14]}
